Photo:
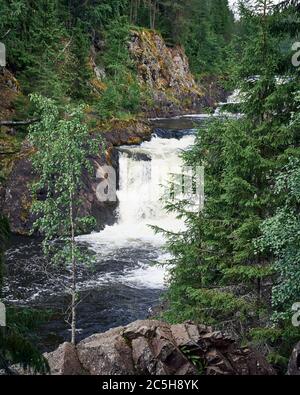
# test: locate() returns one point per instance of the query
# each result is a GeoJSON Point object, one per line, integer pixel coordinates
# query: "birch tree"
{"type": "Point", "coordinates": [62, 144]}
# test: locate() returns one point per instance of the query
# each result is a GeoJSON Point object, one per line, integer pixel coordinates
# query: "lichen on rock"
{"type": "Point", "coordinates": [165, 72]}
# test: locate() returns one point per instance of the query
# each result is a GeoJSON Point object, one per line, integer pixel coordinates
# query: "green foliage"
{"type": "Point", "coordinates": [48, 43]}
{"type": "Point", "coordinates": [210, 28]}
{"type": "Point", "coordinates": [16, 349]}
{"type": "Point", "coordinates": [63, 145]}
{"type": "Point", "coordinates": [203, 27]}
{"type": "Point", "coordinates": [94, 14]}
{"type": "Point", "coordinates": [281, 235]}
{"type": "Point", "coordinates": [218, 276]}
{"type": "Point", "coordinates": [34, 40]}
{"type": "Point", "coordinates": [277, 343]}
{"type": "Point", "coordinates": [123, 93]}
{"type": "Point", "coordinates": [17, 341]}
{"type": "Point", "coordinates": [196, 360]}
{"type": "Point", "coordinates": [48, 53]}
{"type": "Point", "coordinates": [76, 70]}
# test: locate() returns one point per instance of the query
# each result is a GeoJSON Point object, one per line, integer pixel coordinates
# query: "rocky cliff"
{"type": "Point", "coordinates": [9, 146]}
{"type": "Point", "coordinates": [166, 73]}
{"type": "Point", "coordinates": [163, 71]}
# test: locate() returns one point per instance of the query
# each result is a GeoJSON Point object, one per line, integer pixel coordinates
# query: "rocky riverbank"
{"type": "Point", "coordinates": [156, 348]}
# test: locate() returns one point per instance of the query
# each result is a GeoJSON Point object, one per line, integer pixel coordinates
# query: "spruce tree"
{"type": "Point", "coordinates": [217, 274]}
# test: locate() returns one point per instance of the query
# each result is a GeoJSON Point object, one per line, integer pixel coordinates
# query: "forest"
{"type": "Point", "coordinates": [94, 83]}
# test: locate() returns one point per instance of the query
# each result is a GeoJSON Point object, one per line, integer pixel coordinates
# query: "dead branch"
{"type": "Point", "coordinates": [19, 123]}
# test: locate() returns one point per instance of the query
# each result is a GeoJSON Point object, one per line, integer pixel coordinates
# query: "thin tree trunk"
{"type": "Point", "coordinates": [265, 13]}
{"type": "Point", "coordinates": [131, 11]}
{"type": "Point", "coordinates": [74, 285]}
{"type": "Point", "coordinates": [150, 13]}
{"type": "Point", "coordinates": [154, 14]}
{"type": "Point", "coordinates": [137, 6]}
{"type": "Point", "coordinates": [259, 291]}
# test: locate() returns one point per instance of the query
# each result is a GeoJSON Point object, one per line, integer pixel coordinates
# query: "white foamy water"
{"type": "Point", "coordinates": [145, 173]}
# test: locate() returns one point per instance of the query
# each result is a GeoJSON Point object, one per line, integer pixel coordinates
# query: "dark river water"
{"type": "Point", "coordinates": [113, 292]}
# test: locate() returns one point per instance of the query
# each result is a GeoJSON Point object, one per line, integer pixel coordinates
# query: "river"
{"type": "Point", "coordinates": [124, 283]}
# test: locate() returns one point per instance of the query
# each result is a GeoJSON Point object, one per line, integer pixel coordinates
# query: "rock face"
{"type": "Point", "coordinates": [18, 200]}
{"type": "Point", "coordinates": [294, 364]}
{"type": "Point", "coordinates": [165, 71]}
{"type": "Point", "coordinates": [107, 353]}
{"type": "Point", "coordinates": [155, 348]}
{"type": "Point", "coordinates": [64, 361]}
{"type": "Point", "coordinates": [9, 90]}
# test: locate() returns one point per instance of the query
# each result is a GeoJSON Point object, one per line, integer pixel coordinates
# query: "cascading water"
{"type": "Point", "coordinates": [145, 172]}
{"type": "Point", "coordinates": [124, 283]}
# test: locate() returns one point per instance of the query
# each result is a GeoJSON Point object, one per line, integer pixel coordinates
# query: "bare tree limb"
{"type": "Point", "coordinates": [8, 31]}
{"type": "Point", "coordinates": [19, 123]}
{"type": "Point", "coordinates": [8, 153]}
{"type": "Point", "coordinates": [65, 47]}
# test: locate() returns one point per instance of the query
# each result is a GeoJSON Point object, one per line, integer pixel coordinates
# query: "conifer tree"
{"type": "Point", "coordinates": [218, 275]}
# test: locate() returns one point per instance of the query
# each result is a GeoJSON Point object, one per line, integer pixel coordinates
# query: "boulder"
{"type": "Point", "coordinates": [294, 363]}
{"type": "Point", "coordinates": [151, 347]}
{"type": "Point", "coordinates": [106, 354]}
{"type": "Point", "coordinates": [64, 361]}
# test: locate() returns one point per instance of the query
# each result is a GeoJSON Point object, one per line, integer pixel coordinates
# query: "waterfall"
{"type": "Point", "coordinates": [143, 183]}
{"type": "Point", "coordinates": [145, 172]}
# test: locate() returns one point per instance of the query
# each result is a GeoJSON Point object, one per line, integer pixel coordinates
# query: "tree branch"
{"type": "Point", "coordinates": [19, 123]}
{"type": "Point", "coordinates": [8, 31]}
{"type": "Point", "coordinates": [8, 153]}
